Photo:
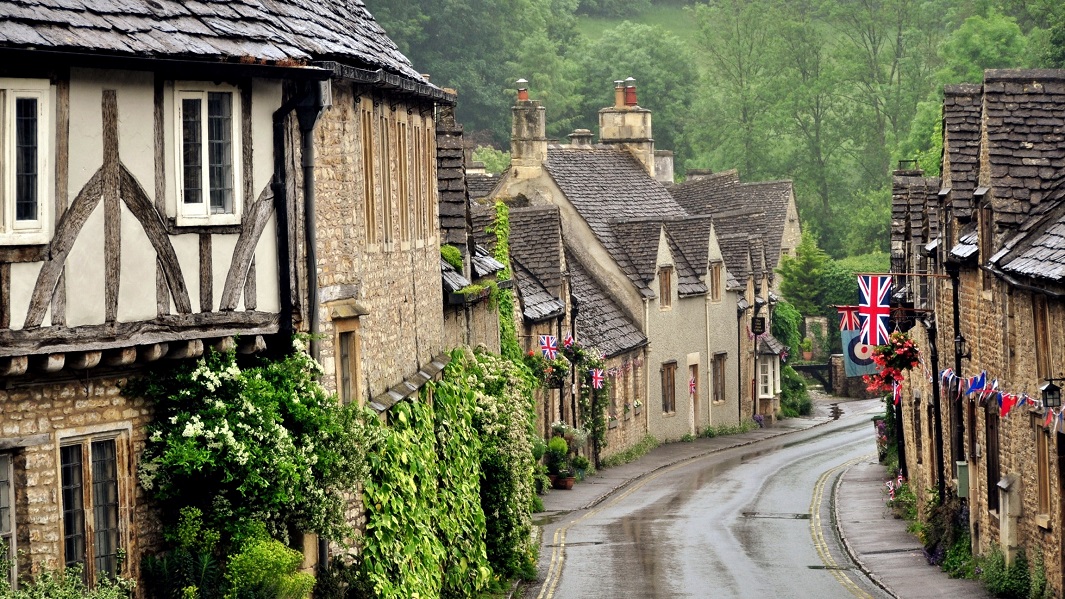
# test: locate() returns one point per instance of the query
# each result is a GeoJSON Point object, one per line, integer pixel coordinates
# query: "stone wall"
{"type": "Point", "coordinates": [395, 278]}
{"type": "Point", "coordinates": [35, 420]}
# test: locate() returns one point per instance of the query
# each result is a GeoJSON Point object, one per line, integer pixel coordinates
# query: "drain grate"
{"type": "Point", "coordinates": [822, 567]}
{"type": "Point", "coordinates": [773, 516]}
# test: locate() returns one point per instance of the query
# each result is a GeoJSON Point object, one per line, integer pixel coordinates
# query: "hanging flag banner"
{"type": "Point", "coordinates": [691, 386]}
{"type": "Point", "coordinates": [857, 356]}
{"type": "Point", "coordinates": [549, 346]}
{"type": "Point", "coordinates": [567, 342]}
{"type": "Point", "coordinates": [874, 307]}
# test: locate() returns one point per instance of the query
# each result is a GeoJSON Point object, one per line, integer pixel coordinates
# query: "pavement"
{"type": "Point", "coordinates": [876, 540]}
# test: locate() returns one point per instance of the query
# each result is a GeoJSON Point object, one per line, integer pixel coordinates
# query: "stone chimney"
{"type": "Point", "coordinates": [664, 166]}
{"type": "Point", "coordinates": [581, 138]}
{"type": "Point", "coordinates": [628, 126]}
{"type": "Point", "coordinates": [528, 141]}
{"type": "Point", "coordinates": [698, 174]}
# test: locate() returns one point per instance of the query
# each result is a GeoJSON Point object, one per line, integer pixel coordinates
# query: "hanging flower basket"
{"type": "Point", "coordinates": [898, 355]}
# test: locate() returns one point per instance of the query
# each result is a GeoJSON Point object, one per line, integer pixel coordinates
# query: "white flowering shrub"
{"type": "Point", "coordinates": [262, 444]}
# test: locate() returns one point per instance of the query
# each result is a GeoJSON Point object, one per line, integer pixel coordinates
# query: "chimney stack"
{"type": "Point", "coordinates": [528, 136]}
{"type": "Point", "coordinates": [628, 126]}
{"type": "Point", "coordinates": [581, 138]}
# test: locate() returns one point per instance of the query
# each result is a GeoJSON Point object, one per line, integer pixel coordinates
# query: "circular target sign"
{"type": "Point", "coordinates": [860, 353]}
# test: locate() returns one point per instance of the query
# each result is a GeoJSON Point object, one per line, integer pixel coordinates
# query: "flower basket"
{"type": "Point", "coordinates": [899, 354]}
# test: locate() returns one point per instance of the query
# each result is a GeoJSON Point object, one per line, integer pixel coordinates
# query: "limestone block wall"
{"type": "Point", "coordinates": [382, 252]}
{"type": "Point", "coordinates": [35, 420]}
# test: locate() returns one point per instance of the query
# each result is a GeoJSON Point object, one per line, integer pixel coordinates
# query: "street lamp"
{"type": "Point", "coordinates": [1051, 393]}
{"type": "Point", "coordinates": [961, 349]}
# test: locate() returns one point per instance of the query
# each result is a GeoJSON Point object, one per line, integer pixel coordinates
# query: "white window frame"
{"type": "Point", "coordinates": [7, 521]}
{"type": "Point", "coordinates": [26, 232]}
{"type": "Point", "coordinates": [768, 376]}
{"type": "Point", "coordinates": [199, 213]}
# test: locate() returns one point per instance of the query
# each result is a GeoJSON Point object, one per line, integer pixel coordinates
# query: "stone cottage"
{"type": "Point", "coordinates": [992, 233]}
{"type": "Point", "coordinates": [180, 177]}
{"type": "Point", "coordinates": [623, 230]}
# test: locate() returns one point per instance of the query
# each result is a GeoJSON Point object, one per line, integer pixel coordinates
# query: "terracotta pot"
{"type": "Point", "coordinates": [564, 482]}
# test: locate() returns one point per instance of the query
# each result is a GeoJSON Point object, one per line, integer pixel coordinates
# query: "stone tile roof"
{"type": "Point", "coordinates": [537, 303]}
{"type": "Point", "coordinates": [453, 200]}
{"type": "Point", "coordinates": [768, 345]}
{"type": "Point", "coordinates": [968, 243]}
{"type": "Point", "coordinates": [481, 218]}
{"type": "Point", "coordinates": [483, 263]}
{"type": "Point", "coordinates": [913, 199]}
{"type": "Point", "coordinates": [637, 242]}
{"type": "Point", "coordinates": [263, 30]}
{"type": "Point", "coordinates": [607, 185]}
{"type": "Point", "coordinates": [1038, 250]}
{"type": "Point", "coordinates": [481, 185]}
{"type": "Point", "coordinates": [1024, 114]}
{"type": "Point", "coordinates": [961, 132]}
{"type": "Point", "coordinates": [600, 322]}
{"type": "Point", "coordinates": [705, 194]}
{"type": "Point", "coordinates": [689, 240]}
{"type": "Point", "coordinates": [452, 279]}
{"type": "Point", "coordinates": [536, 242]}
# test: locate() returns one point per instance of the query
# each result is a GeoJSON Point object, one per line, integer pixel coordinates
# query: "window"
{"type": "Point", "coordinates": [403, 158]}
{"type": "Point", "coordinates": [768, 377]}
{"type": "Point", "coordinates": [1042, 453]}
{"type": "Point", "coordinates": [347, 359]}
{"type": "Point", "coordinates": [1041, 323]}
{"type": "Point", "coordinates": [992, 469]}
{"type": "Point", "coordinates": [384, 152]}
{"type": "Point", "coordinates": [669, 387]}
{"type": "Point", "coordinates": [715, 281]}
{"type": "Point", "coordinates": [369, 205]}
{"type": "Point", "coordinates": [7, 517]}
{"type": "Point", "coordinates": [718, 366]}
{"type": "Point", "coordinates": [91, 534]}
{"type": "Point", "coordinates": [208, 155]}
{"type": "Point", "coordinates": [25, 162]}
{"type": "Point", "coordinates": [665, 286]}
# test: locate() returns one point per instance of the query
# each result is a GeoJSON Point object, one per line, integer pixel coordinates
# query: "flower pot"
{"type": "Point", "coordinates": [564, 482]}
{"type": "Point", "coordinates": [807, 355]}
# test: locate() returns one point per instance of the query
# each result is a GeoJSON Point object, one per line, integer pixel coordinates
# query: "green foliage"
{"type": "Point", "coordinates": [631, 454]}
{"type": "Point", "coordinates": [495, 161]}
{"type": "Point", "coordinates": [794, 398]}
{"type": "Point", "coordinates": [452, 256]}
{"type": "Point", "coordinates": [1009, 581]}
{"type": "Point", "coordinates": [801, 276]}
{"type": "Point", "coordinates": [508, 334]}
{"type": "Point", "coordinates": [613, 8]}
{"type": "Point", "coordinates": [721, 430]}
{"type": "Point", "coordinates": [787, 325]}
{"type": "Point", "coordinates": [261, 444]}
{"type": "Point", "coordinates": [265, 568]}
{"type": "Point", "coordinates": [905, 503]}
{"type": "Point", "coordinates": [193, 565]}
{"type": "Point", "coordinates": [991, 42]}
{"type": "Point", "coordinates": [66, 584]}
{"type": "Point", "coordinates": [557, 456]}
{"type": "Point", "coordinates": [591, 402]}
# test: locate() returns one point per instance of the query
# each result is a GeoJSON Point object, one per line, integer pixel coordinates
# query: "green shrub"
{"type": "Point", "coordinates": [192, 568]}
{"type": "Point", "coordinates": [265, 568]}
{"type": "Point", "coordinates": [631, 454]}
{"type": "Point", "coordinates": [557, 449]}
{"type": "Point", "coordinates": [1008, 581]}
{"type": "Point", "coordinates": [794, 398]}
{"type": "Point", "coordinates": [66, 584]}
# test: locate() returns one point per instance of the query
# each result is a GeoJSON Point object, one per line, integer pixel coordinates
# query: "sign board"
{"type": "Point", "coordinates": [758, 325]}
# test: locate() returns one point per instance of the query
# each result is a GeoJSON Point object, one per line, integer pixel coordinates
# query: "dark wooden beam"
{"type": "Point", "coordinates": [112, 207]}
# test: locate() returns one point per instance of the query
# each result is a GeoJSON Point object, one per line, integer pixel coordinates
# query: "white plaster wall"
{"type": "Point", "coordinates": [722, 332]}
{"type": "Point", "coordinates": [23, 279]}
{"type": "Point", "coordinates": [86, 128]}
{"type": "Point", "coordinates": [187, 248]}
{"type": "Point", "coordinates": [85, 273]}
{"type": "Point", "coordinates": [267, 287]}
{"type": "Point", "coordinates": [266, 98]}
{"type": "Point", "coordinates": [221, 260]}
{"type": "Point", "coordinates": [136, 292]}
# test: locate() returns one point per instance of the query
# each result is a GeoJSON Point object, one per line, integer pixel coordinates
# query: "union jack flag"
{"type": "Point", "coordinates": [896, 392]}
{"type": "Point", "coordinates": [597, 378]}
{"type": "Point", "coordinates": [567, 341]}
{"type": "Point", "coordinates": [691, 386]}
{"type": "Point", "coordinates": [874, 308]}
{"type": "Point", "coordinates": [848, 318]}
{"type": "Point", "coordinates": [549, 346]}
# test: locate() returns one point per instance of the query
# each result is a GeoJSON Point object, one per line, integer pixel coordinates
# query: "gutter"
{"type": "Point", "coordinates": [389, 81]}
{"type": "Point", "coordinates": [1015, 283]}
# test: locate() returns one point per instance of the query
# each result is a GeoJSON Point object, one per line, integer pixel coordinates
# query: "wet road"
{"type": "Point", "coordinates": [751, 521]}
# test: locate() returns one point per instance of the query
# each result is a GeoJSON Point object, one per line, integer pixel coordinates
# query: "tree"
{"type": "Point", "coordinates": [992, 42]}
{"type": "Point", "coordinates": [801, 276]}
{"type": "Point", "coordinates": [666, 78]}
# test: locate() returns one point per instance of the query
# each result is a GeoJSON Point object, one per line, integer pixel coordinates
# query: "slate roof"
{"type": "Point", "coordinates": [233, 30]}
{"type": "Point", "coordinates": [1024, 112]}
{"type": "Point", "coordinates": [968, 243]}
{"type": "Point", "coordinates": [481, 185]}
{"type": "Point", "coordinates": [536, 242]}
{"type": "Point", "coordinates": [961, 131]}
{"type": "Point", "coordinates": [452, 279]}
{"type": "Point", "coordinates": [913, 199]}
{"type": "Point", "coordinates": [606, 185]}
{"type": "Point", "coordinates": [537, 303]}
{"type": "Point", "coordinates": [706, 194]}
{"type": "Point", "coordinates": [483, 263]}
{"type": "Point", "coordinates": [1038, 250]}
{"type": "Point", "coordinates": [600, 322]}
{"type": "Point", "coordinates": [768, 345]}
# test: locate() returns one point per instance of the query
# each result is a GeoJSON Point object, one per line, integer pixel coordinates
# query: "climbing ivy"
{"type": "Point", "coordinates": [591, 402]}
{"type": "Point", "coordinates": [508, 334]}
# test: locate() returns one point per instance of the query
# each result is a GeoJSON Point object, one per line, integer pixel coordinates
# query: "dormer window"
{"type": "Point", "coordinates": [665, 287]}
{"type": "Point", "coordinates": [25, 161]}
{"type": "Point", "coordinates": [208, 156]}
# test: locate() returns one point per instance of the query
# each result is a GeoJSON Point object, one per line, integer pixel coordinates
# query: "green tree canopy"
{"type": "Point", "coordinates": [991, 42]}
{"type": "Point", "coordinates": [801, 276]}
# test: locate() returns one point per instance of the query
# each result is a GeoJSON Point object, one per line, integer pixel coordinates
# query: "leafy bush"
{"type": "Point", "coordinates": [557, 450]}
{"type": "Point", "coordinates": [265, 568]}
{"type": "Point", "coordinates": [262, 444]}
{"type": "Point", "coordinates": [66, 584]}
{"type": "Point", "coordinates": [193, 567]}
{"type": "Point", "coordinates": [631, 454]}
{"type": "Point", "coordinates": [1008, 581]}
{"type": "Point", "coordinates": [794, 398]}
{"type": "Point", "coordinates": [721, 430]}
{"type": "Point", "coordinates": [452, 256]}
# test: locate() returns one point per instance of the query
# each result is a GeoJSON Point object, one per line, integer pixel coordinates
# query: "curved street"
{"type": "Point", "coordinates": [751, 521]}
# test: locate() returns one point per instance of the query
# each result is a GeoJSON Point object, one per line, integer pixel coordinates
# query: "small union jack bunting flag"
{"type": "Point", "coordinates": [567, 341]}
{"type": "Point", "coordinates": [691, 386]}
{"type": "Point", "coordinates": [597, 378]}
{"type": "Point", "coordinates": [848, 318]}
{"type": "Point", "coordinates": [549, 346]}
